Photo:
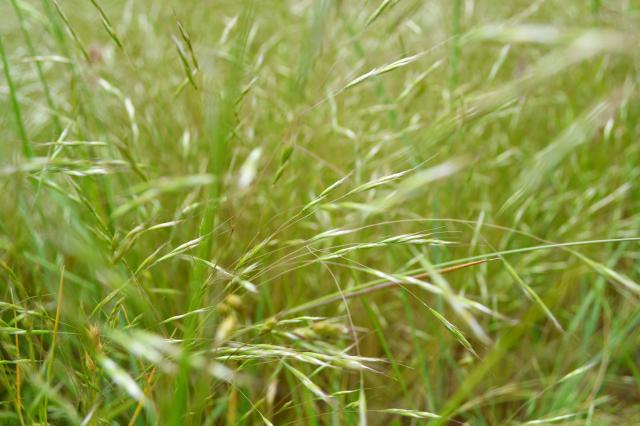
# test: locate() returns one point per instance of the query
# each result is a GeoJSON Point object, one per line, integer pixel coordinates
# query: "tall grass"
{"type": "Point", "coordinates": [319, 212]}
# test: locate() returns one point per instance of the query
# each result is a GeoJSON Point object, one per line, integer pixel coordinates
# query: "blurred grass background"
{"type": "Point", "coordinates": [319, 212]}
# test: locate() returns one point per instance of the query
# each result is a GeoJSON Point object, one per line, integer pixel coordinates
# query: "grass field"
{"type": "Point", "coordinates": [319, 212]}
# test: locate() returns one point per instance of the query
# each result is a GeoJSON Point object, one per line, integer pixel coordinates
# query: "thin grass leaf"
{"type": "Point", "coordinates": [153, 189]}
{"type": "Point", "coordinates": [191, 244]}
{"type": "Point", "coordinates": [324, 194]}
{"type": "Point", "coordinates": [378, 182]}
{"type": "Point", "coordinates": [107, 24]}
{"type": "Point", "coordinates": [315, 389]}
{"type": "Point", "coordinates": [415, 414]}
{"type": "Point", "coordinates": [182, 54]}
{"type": "Point", "coordinates": [455, 331]}
{"type": "Point", "coordinates": [362, 404]}
{"type": "Point", "coordinates": [15, 105]}
{"type": "Point", "coordinates": [610, 273]}
{"type": "Point", "coordinates": [71, 31]}
{"type": "Point", "coordinates": [383, 70]}
{"type": "Point", "coordinates": [554, 419]}
{"type": "Point", "coordinates": [187, 39]}
{"type": "Point", "coordinates": [528, 291]}
{"type": "Point", "coordinates": [386, 4]}
{"type": "Point", "coordinates": [284, 161]}
{"type": "Point", "coordinates": [121, 378]}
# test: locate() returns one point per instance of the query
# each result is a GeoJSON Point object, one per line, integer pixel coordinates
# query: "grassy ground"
{"type": "Point", "coordinates": [319, 212]}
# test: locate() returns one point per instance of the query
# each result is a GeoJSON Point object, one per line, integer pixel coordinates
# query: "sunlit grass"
{"type": "Point", "coordinates": [319, 212]}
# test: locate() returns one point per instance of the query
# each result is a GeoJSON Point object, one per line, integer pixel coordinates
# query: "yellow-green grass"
{"type": "Point", "coordinates": [319, 212]}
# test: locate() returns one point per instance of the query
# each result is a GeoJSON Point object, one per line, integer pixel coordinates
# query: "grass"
{"type": "Point", "coordinates": [319, 212]}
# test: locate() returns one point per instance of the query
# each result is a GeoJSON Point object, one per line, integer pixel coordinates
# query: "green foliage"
{"type": "Point", "coordinates": [319, 212]}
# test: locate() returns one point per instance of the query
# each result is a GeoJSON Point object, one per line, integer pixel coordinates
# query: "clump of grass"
{"type": "Point", "coordinates": [317, 212]}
